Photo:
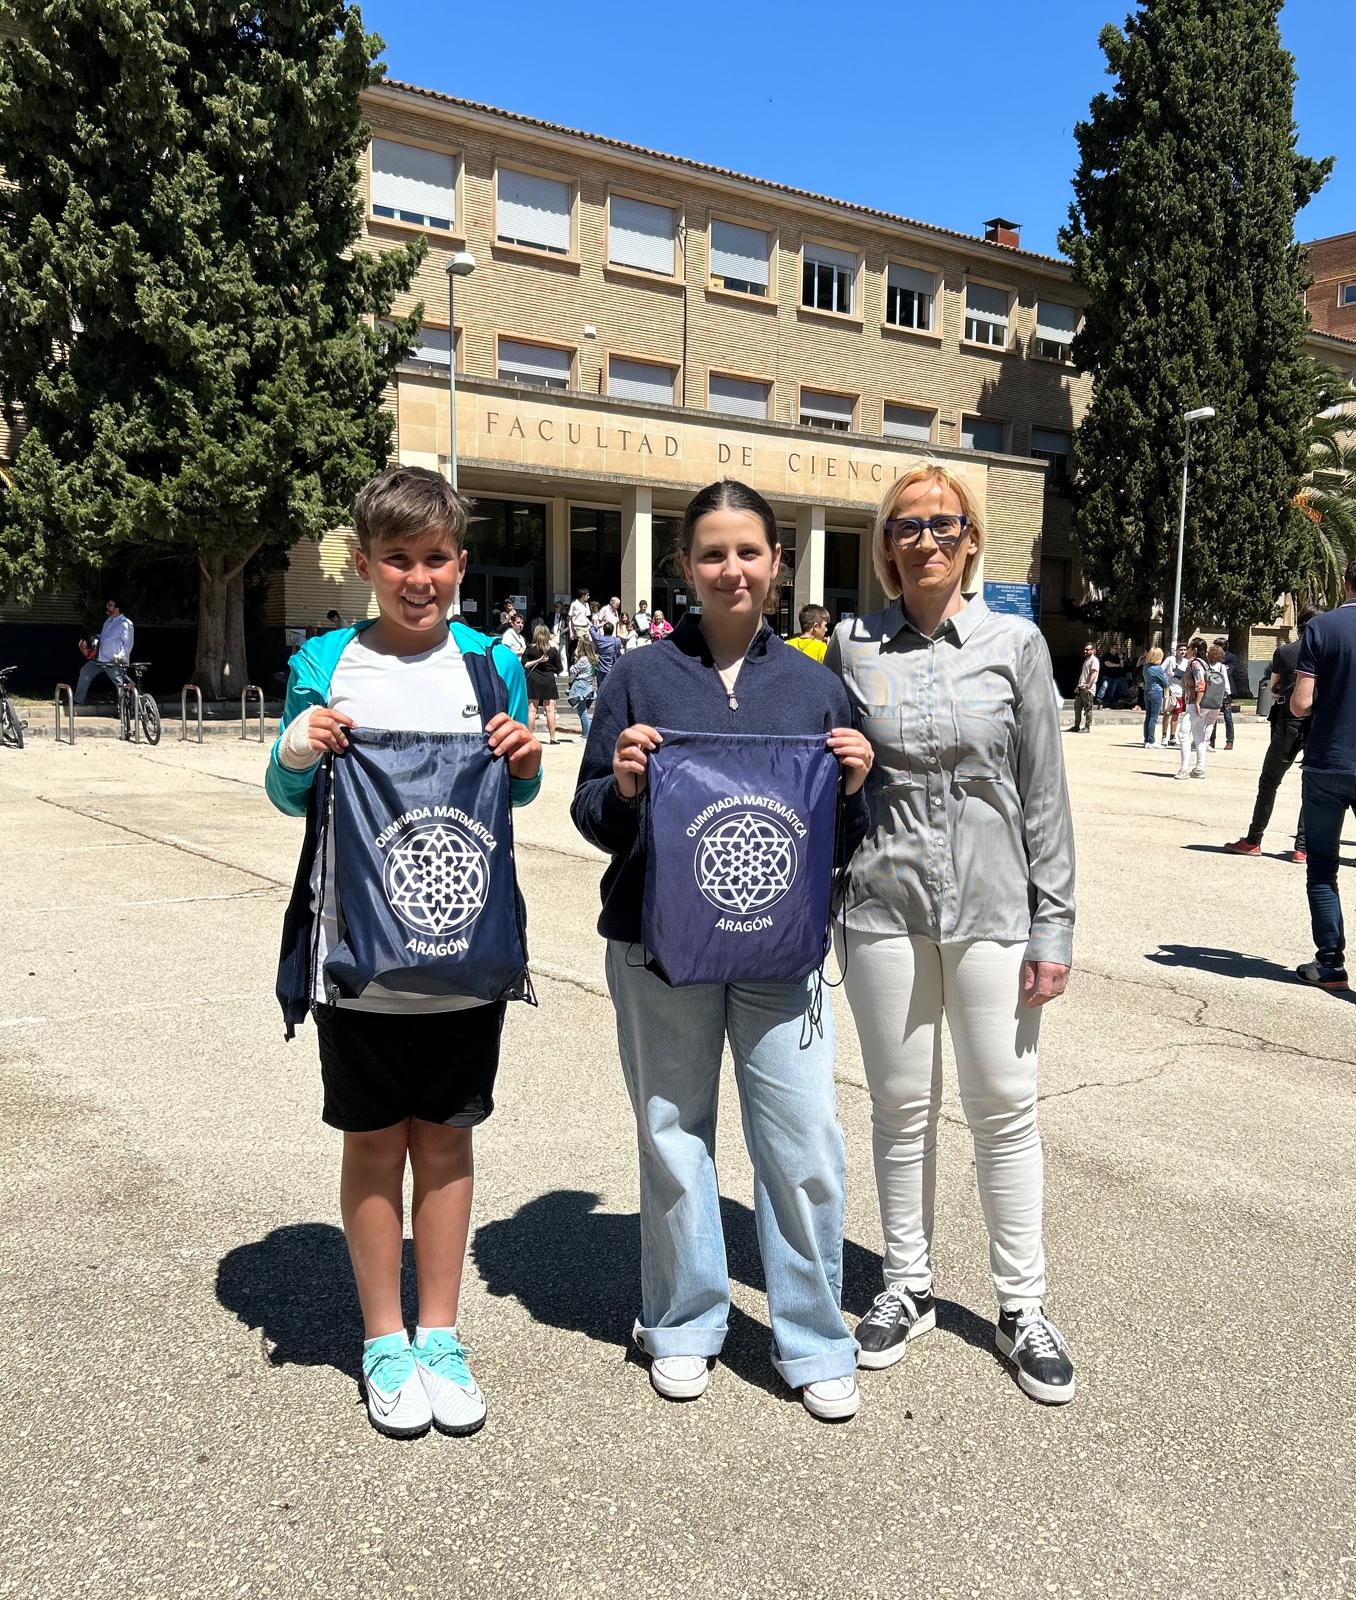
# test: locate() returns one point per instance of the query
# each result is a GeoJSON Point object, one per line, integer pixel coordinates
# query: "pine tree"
{"type": "Point", "coordinates": [183, 321]}
{"type": "Point", "coordinates": [1182, 235]}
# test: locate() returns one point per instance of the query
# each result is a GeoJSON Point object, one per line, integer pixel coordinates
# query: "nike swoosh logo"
{"type": "Point", "coordinates": [379, 1402]}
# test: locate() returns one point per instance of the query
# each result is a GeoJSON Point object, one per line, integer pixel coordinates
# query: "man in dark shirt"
{"type": "Point", "coordinates": [1287, 740]}
{"type": "Point", "coordinates": [1325, 682]}
{"type": "Point", "coordinates": [607, 647]}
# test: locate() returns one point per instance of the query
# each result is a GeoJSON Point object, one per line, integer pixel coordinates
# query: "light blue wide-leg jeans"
{"type": "Point", "coordinates": [671, 1041]}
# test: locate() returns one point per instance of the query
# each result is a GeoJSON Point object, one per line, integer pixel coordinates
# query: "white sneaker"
{"type": "Point", "coordinates": [396, 1402]}
{"type": "Point", "coordinates": [1179, 775]}
{"type": "Point", "coordinates": [453, 1395]}
{"type": "Point", "coordinates": [1198, 772]}
{"type": "Point", "coordinates": [679, 1377]}
{"type": "Point", "coordinates": [832, 1399]}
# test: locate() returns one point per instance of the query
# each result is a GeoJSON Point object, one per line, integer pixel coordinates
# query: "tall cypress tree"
{"type": "Point", "coordinates": [1182, 235]}
{"type": "Point", "coordinates": [183, 321]}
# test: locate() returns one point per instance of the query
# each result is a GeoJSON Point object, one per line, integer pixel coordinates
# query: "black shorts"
{"type": "Point", "coordinates": [379, 1068]}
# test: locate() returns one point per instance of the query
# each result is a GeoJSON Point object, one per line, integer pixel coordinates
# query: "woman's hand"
{"type": "Point", "coordinates": [326, 730]}
{"type": "Point", "coordinates": [1042, 981]}
{"type": "Point", "coordinates": [631, 756]}
{"type": "Point", "coordinates": [516, 744]}
{"type": "Point", "coordinates": [855, 756]}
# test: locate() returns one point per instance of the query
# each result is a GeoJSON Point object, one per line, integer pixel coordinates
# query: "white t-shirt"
{"type": "Point", "coordinates": [384, 691]}
{"type": "Point", "coordinates": [514, 640]}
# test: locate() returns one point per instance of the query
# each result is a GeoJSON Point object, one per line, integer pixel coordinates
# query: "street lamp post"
{"type": "Point", "coordinates": [1200, 414]}
{"type": "Point", "coordinates": [460, 264]}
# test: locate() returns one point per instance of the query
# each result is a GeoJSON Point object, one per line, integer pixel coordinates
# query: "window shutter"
{"type": "Point", "coordinates": [986, 304]}
{"type": "Point", "coordinates": [1055, 322]}
{"type": "Point", "coordinates": [534, 211]}
{"type": "Point", "coordinates": [640, 380]}
{"type": "Point", "coordinates": [737, 397]}
{"type": "Point", "coordinates": [738, 252]}
{"type": "Point", "coordinates": [981, 433]}
{"type": "Point", "coordinates": [827, 256]}
{"type": "Point", "coordinates": [1051, 442]}
{"type": "Point", "coordinates": [640, 235]}
{"type": "Point", "coordinates": [905, 422]}
{"type": "Point", "coordinates": [410, 179]}
{"type": "Point", "coordinates": [821, 407]}
{"type": "Point", "coordinates": [538, 363]}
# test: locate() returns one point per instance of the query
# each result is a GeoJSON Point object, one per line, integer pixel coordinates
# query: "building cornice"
{"type": "Point", "coordinates": [632, 156]}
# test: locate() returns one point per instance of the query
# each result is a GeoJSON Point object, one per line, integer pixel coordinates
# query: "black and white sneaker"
{"type": "Point", "coordinates": [896, 1316]}
{"type": "Point", "coordinates": [1039, 1351]}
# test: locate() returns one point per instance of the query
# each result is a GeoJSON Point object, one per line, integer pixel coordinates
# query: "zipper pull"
{"type": "Point", "coordinates": [730, 696]}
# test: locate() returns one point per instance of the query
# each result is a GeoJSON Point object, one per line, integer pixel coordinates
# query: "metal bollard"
{"type": "Point", "coordinates": [136, 709]}
{"type": "Point", "coordinates": [251, 689]}
{"type": "Point", "coordinates": [64, 695]}
{"type": "Point", "coordinates": [189, 688]}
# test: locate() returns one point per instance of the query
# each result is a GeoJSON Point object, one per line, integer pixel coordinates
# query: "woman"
{"type": "Point", "coordinates": [1155, 683]}
{"type": "Point", "coordinates": [583, 684]}
{"type": "Point", "coordinates": [1205, 687]}
{"type": "Point", "coordinates": [728, 673]}
{"type": "Point", "coordinates": [959, 908]}
{"type": "Point", "coordinates": [541, 663]}
{"type": "Point", "coordinates": [625, 633]}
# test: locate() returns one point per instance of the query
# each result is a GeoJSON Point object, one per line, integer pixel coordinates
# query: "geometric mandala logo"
{"type": "Point", "coordinates": [745, 861]}
{"type": "Point", "coordinates": [436, 878]}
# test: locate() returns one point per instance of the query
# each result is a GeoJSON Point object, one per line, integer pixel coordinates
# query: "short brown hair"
{"type": "Point", "coordinates": [405, 502]}
{"type": "Point", "coordinates": [810, 615]}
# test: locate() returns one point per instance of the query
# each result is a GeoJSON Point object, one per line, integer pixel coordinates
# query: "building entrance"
{"type": "Point", "coordinates": [506, 546]}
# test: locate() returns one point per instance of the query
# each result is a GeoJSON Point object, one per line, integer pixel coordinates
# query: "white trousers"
{"type": "Point", "coordinates": [1194, 729]}
{"type": "Point", "coordinates": [900, 988]}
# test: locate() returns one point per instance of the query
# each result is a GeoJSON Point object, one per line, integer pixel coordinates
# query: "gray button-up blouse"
{"type": "Point", "coordinates": [971, 834]}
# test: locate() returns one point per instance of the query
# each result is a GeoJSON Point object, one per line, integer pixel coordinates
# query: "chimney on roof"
{"type": "Point", "coordinates": [998, 230]}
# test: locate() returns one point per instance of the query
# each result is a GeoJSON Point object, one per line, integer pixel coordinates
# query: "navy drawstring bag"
{"type": "Point", "coordinates": [740, 845]}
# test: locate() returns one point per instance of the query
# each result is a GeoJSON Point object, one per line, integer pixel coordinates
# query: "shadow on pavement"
{"type": "Point", "coordinates": [1231, 964]}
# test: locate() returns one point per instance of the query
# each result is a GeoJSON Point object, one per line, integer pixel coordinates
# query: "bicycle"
{"type": "Point", "coordinates": [133, 705]}
{"type": "Point", "coordinates": [12, 725]}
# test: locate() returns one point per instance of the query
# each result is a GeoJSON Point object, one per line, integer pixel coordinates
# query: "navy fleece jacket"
{"type": "Point", "coordinates": [674, 684]}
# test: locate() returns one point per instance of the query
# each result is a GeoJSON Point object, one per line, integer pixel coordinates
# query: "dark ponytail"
{"type": "Point", "coordinates": [727, 494]}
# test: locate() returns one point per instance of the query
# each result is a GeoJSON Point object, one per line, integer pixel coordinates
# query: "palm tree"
{"type": "Point", "coordinates": [1328, 498]}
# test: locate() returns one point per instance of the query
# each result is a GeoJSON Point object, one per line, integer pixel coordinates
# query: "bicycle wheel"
{"type": "Point", "coordinates": [11, 724]}
{"type": "Point", "coordinates": [150, 719]}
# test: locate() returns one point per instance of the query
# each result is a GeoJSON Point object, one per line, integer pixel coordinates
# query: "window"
{"type": "Point", "coordinates": [1346, 295]}
{"type": "Point", "coordinates": [640, 235]}
{"type": "Point", "coordinates": [1055, 328]}
{"type": "Point", "coordinates": [533, 211]}
{"type": "Point", "coordinates": [821, 410]}
{"type": "Point", "coordinates": [430, 345]}
{"type": "Point", "coordinates": [640, 380]}
{"type": "Point", "coordinates": [1054, 448]}
{"type": "Point", "coordinates": [908, 422]}
{"type": "Point", "coordinates": [541, 365]}
{"type": "Point", "coordinates": [982, 433]}
{"type": "Point", "coordinates": [737, 397]}
{"type": "Point", "coordinates": [909, 294]}
{"type": "Point", "coordinates": [411, 184]}
{"type": "Point", "coordinates": [828, 279]}
{"type": "Point", "coordinates": [740, 258]}
{"type": "Point", "coordinates": [986, 315]}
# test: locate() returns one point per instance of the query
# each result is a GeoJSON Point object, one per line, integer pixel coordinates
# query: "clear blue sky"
{"type": "Point", "coordinates": [846, 100]}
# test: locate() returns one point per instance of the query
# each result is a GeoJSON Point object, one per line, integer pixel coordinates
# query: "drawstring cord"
{"type": "Point", "coordinates": [323, 838]}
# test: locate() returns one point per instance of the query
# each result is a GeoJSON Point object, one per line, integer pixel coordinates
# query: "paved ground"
{"type": "Point", "coordinates": [178, 1408]}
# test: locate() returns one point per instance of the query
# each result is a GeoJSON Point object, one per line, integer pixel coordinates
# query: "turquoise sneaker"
{"type": "Point", "coordinates": [396, 1402]}
{"type": "Point", "coordinates": [453, 1394]}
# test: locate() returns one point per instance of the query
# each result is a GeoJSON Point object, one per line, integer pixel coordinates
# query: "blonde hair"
{"type": "Point", "coordinates": [1154, 657]}
{"type": "Point", "coordinates": [887, 574]}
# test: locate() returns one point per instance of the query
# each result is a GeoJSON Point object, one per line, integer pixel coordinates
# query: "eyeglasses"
{"type": "Point", "coordinates": [947, 531]}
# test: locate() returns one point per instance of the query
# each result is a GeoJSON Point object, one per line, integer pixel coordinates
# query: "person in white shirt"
{"type": "Point", "coordinates": [579, 622]}
{"type": "Point", "coordinates": [611, 612]}
{"type": "Point", "coordinates": [640, 624]}
{"type": "Point", "coordinates": [513, 635]}
{"type": "Point", "coordinates": [113, 653]}
{"type": "Point", "coordinates": [1085, 693]}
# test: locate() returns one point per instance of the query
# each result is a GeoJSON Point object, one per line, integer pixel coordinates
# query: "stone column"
{"type": "Point", "coordinates": [809, 587]}
{"type": "Point", "coordinates": [637, 562]}
{"type": "Point", "coordinates": [557, 551]}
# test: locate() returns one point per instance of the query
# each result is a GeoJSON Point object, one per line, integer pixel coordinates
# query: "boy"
{"type": "Point", "coordinates": [405, 1075]}
{"type": "Point", "coordinates": [813, 638]}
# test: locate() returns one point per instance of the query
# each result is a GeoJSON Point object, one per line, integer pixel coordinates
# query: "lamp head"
{"type": "Point", "coordinates": [1200, 414]}
{"type": "Point", "coordinates": [460, 264]}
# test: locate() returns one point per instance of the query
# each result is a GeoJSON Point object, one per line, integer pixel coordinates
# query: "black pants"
{"type": "Point", "coordinates": [1287, 740]}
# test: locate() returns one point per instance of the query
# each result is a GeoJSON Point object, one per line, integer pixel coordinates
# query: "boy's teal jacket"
{"type": "Point", "coordinates": [308, 684]}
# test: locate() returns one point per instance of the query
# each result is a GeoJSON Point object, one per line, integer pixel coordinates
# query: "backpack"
{"type": "Point", "coordinates": [740, 843]}
{"type": "Point", "coordinates": [1216, 677]}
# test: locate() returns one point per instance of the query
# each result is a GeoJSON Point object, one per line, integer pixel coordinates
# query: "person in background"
{"type": "Point", "coordinates": [1156, 687]}
{"type": "Point", "coordinates": [333, 620]}
{"type": "Point", "coordinates": [579, 620]}
{"type": "Point", "coordinates": [1175, 698]}
{"type": "Point", "coordinates": [1325, 684]}
{"type": "Point", "coordinates": [1227, 709]}
{"type": "Point", "coordinates": [1288, 733]}
{"type": "Point", "coordinates": [513, 633]}
{"type": "Point", "coordinates": [611, 612]}
{"type": "Point", "coordinates": [541, 663]}
{"type": "Point", "coordinates": [1111, 680]}
{"type": "Point", "coordinates": [559, 625]}
{"type": "Point", "coordinates": [1204, 686]}
{"type": "Point", "coordinates": [813, 638]}
{"type": "Point", "coordinates": [606, 650]}
{"type": "Point", "coordinates": [659, 628]}
{"type": "Point", "coordinates": [583, 686]}
{"type": "Point", "coordinates": [624, 631]}
{"type": "Point", "coordinates": [641, 622]}
{"type": "Point", "coordinates": [110, 655]}
{"type": "Point", "coordinates": [1085, 693]}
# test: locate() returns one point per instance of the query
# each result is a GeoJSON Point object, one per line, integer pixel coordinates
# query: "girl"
{"type": "Point", "coordinates": [959, 908]}
{"type": "Point", "coordinates": [727, 673]}
{"type": "Point", "coordinates": [541, 663]}
{"type": "Point", "coordinates": [583, 684]}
